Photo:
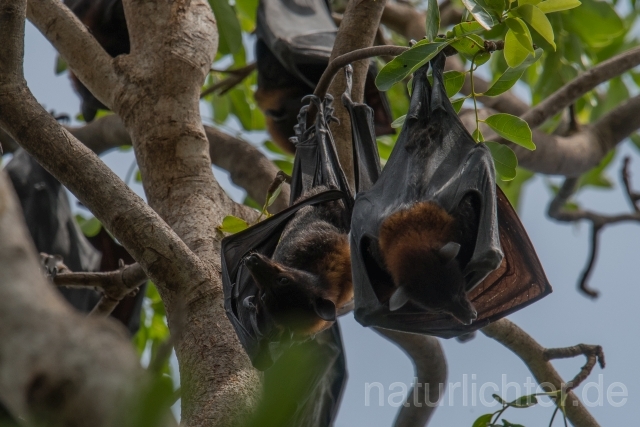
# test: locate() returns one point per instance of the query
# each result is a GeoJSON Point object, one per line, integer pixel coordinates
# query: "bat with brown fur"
{"type": "Point", "coordinates": [289, 275]}
{"type": "Point", "coordinates": [436, 247]}
{"type": "Point", "coordinates": [292, 51]}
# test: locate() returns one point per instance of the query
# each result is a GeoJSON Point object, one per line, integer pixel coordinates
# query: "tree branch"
{"type": "Point", "coordinates": [115, 285]}
{"type": "Point", "coordinates": [536, 358]}
{"type": "Point", "coordinates": [358, 30]}
{"type": "Point", "coordinates": [587, 81]}
{"type": "Point", "coordinates": [430, 376]}
{"type": "Point", "coordinates": [88, 60]}
{"type": "Point", "coordinates": [558, 212]}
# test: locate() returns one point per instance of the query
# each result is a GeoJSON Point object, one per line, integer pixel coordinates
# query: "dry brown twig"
{"type": "Point", "coordinates": [225, 85]}
{"type": "Point", "coordinates": [558, 212]}
{"type": "Point", "coordinates": [537, 359]}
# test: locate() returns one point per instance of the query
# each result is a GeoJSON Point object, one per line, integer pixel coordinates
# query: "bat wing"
{"type": "Point", "coordinates": [366, 160]}
{"type": "Point", "coordinates": [298, 33]}
{"type": "Point", "coordinates": [435, 159]}
{"type": "Point", "coordinates": [304, 387]}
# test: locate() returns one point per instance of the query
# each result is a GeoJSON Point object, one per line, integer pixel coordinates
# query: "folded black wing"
{"type": "Point", "coordinates": [366, 160]}
{"type": "Point", "coordinates": [435, 159]}
{"type": "Point", "coordinates": [298, 32]}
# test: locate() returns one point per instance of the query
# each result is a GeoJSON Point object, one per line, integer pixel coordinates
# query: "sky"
{"type": "Point", "coordinates": [564, 318]}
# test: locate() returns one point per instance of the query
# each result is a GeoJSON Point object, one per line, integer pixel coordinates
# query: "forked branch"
{"type": "Point", "coordinates": [537, 359]}
{"type": "Point", "coordinates": [558, 212]}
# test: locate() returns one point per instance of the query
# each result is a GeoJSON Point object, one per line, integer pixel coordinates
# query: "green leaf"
{"type": "Point", "coordinates": [247, 10]}
{"type": "Point", "coordinates": [506, 423]}
{"type": "Point", "coordinates": [512, 128]}
{"type": "Point", "coordinates": [232, 224]}
{"type": "Point", "coordinates": [138, 177]}
{"type": "Point", "coordinates": [90, 227]}
{"type": "Point", "coordinates": [533, 2]}
{"type": "Point", "coordinates": [482, 13]}
{"type": "Point", "coordinates": [228, 26]}
{"type": "Point", "coordinates": [499, 399]}
{"type": "Point", "coordinates": [482, 420]}
{"type": "Point", "coordinates": [504, 160]}
{"type": "Point", "coordinates": [285, 166]}
{"type": "Point", "coordinates": [273, 196]}
{"type": "Point", "coordinates": [407, 62]}
{"type": "Point", "coordinates": [512, 75]}
{"type": "Point", "coordinates": [61, 65]}
{"type": "Point", "coordinates": [457, 105]}
{"type": "Point", "coordinates": [397, 123]}
{"type": "Point", "coordinates": [513, 189]}
{"type": "Point", "coordinates": [550, 6]}
{"type": "Point", "coordinates": [595, 22]}
{"type": "Point", "coordinates": [524, 401]}
{"type": "Point", "coordinates": [537, 20]}
{"type": "Point", "coordinates": [521, 32]}
{"type": "Point", "coordinates": [514, 52]}
{"type": "Point", "coordinates": [453, 82]}
{"type": "Point", "coordinates": [464, 28]}
{"type": "Point", "coordinates": [497, 6]}
{"type": "Point", "coordinates": [477, 136]}
{"type": "Point", "coordinates": [481, 58]}
{"type": "Point", "coordinates": [469, 45]}
{"type": "Point", "coordinates": [433, 19]}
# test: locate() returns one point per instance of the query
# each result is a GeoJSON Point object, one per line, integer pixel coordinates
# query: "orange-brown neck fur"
{"type": "Point", "coordinates": [413, 234]}
{"type": "Point", "coordinates": [336, 269]}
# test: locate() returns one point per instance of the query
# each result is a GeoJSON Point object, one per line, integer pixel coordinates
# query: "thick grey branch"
{"type": "Point", "coordinates": [535, 357]}
{"type": "Point", "coordinates": [88, 60]}
{"type": "Point", "coordinates": [430, 376]}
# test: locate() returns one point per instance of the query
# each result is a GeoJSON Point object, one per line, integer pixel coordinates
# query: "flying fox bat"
{"type": "Point", "coordinates": [436, 248]}
{"type": "Point", "coordinates": [294, 44]}
{"type": "Point", "coordinates": [47, 213]}
{"type": "Point", "coordinates": [290, 274]}
{"type": "Point", "coordinates": [106, 21]}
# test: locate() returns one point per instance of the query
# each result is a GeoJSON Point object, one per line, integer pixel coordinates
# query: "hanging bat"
{"type": "Point", "coordinates": [294, 43]}
{"type": "Point", "coordinates": [290, 274]}
{"type": "Point", "coordinates": [314, 371]}
{"type": "Point", "coordinates": [436, 247]}
{"type": "Point", "coordinates": [47, 213]}
{"type": "Point", "coordinates": [106, 21]}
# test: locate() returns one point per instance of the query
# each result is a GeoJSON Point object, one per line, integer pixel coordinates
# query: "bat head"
{"type": "Point", "coordinates": [433, 280]}
{"type": "Point", "coordinates": [292, 297]}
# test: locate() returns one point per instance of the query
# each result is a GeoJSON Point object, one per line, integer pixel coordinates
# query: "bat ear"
{"type": "Point", "coordinates": [398, 299]}
{"type": "Point", "coordinates": [325, 309]}
{"type": "Point", "coordinates": [463, 310]}
{"type": "Point", "coordinates": [448, 252]}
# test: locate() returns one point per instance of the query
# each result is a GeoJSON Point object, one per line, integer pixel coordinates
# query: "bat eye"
{"type": "Point", "coordinates": [283, 281]}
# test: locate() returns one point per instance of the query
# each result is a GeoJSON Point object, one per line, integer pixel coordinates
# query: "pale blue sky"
{"type": "Point", "coordinates": [564, 318]}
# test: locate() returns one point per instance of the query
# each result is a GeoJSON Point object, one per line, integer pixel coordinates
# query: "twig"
{"type": "Point", "coordinates": [115, 285]}
{"type": "Point", "coordinates": [346, 59]}
{"type": "Point", "coordinates": [534, 356]}
{"type": "Point", "coordinates": [592, 352]}
{"type": "Point", "coordinates": [225, 85]}
{"type": "Point", "coordinates": [598, 222]}
{"type": "Point", "coordinates": [633, 197]}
